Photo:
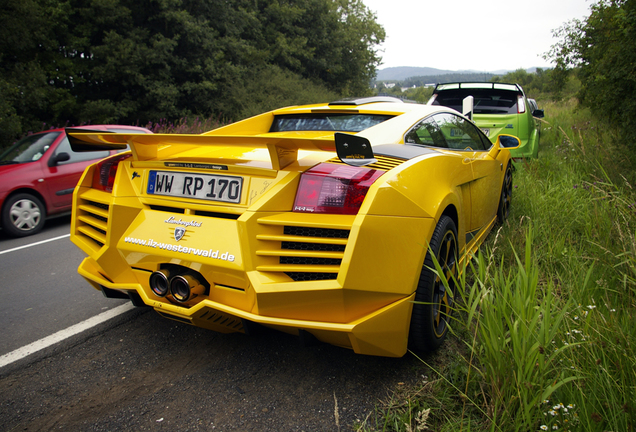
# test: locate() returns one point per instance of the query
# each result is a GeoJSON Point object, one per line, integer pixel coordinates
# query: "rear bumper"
{"type": "Point", "coordinates": [349, 280]}
{"type": "Point", "coordinates": [383, 332]}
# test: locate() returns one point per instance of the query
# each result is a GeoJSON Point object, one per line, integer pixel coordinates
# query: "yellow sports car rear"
{"type": "Point", "coordinates": [314, 220]}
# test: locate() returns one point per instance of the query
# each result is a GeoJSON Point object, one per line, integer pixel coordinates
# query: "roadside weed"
{"type": "Point", "coordinates": [544, 332]}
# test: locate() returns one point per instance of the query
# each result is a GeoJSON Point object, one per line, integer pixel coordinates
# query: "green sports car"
{"type": "Point", "coordinates": [498, 108]}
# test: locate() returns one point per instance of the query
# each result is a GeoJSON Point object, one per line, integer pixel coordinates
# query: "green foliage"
{"type": "Point", "coordinates": [549, 335]}
{"type": "Point", "coordinates": [125, 61]}
{"type": "Point", "coordinates": [519, 329]}
{"type": "Point", "coordinates": [546, 84]}
{"type": "Point", "coordinates": [414, 94]}
{"type": "Point", "coordinates": [580, 198]}
{"type": "Point", "coordinates": [419, 94]}
{"type": "Point", "coordinates": [28, 60]}
{"type": "Point", "coordinates": [603, 49]}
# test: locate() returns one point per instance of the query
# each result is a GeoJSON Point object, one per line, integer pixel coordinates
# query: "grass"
{"type": "Point", "coordinates": [545, 331]}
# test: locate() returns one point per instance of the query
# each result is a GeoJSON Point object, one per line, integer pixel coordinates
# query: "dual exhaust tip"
{"type": "Point", "coordinates": [182, 286]}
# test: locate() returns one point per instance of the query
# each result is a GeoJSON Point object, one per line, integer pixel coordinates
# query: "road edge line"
{"type": "Point", "coordinates": [61, 335]}
{"type": "Point", "coordinates": [34, 244]}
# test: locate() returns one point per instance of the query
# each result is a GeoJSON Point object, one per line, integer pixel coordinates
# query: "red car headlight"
{"type": "Point", "coordinates": [336, 189]}
{"type": "Point", "coordinates": [105, 171]}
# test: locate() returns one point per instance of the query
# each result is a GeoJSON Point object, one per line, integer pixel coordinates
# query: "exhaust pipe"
{"type": "Point", "coordinates": [159, 282]}
{"type": "Point", "coordinates": [185, 287]}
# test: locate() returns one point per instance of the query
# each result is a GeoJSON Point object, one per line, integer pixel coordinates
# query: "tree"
{"type": "Point", "coordinates": [131, 61]}
{"type": "Point", "coordinates": [603, 49]}
{"type": "Point", "coordinates": [29, 59]}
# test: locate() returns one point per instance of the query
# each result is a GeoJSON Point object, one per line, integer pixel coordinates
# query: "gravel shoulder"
{"type": "Point", "coordinates": [144, 372]}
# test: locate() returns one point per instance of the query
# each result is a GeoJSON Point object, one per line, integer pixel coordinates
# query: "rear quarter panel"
{"type": "Point", "coordinates": [398, 218]}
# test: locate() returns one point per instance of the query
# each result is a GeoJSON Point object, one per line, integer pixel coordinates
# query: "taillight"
{"type": "Point", "coordinates": [336, 189]}
{"type": "Point", "coordinates": [104, 174]}
{"type": "Point", "coordinates": [521, 105]}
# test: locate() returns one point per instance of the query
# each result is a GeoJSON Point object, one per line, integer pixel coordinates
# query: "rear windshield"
{"type": "Point", "coordinates": [487, 101]}
{"type": "Point", "coordinates": [326, 122]}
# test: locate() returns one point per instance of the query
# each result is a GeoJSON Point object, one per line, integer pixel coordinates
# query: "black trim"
{"type": "Point", "coordinates": [113, 294]}
{"type": "Point", "coordinates": [471, 235]}
{"type": "Point", "coordinates": [133, 296]}
{"type": "Point", "coordinates": [79, 145]}
{"type": "Point", "coordinates": [485, 85]}
{"type": "Point", "coordinates": [196, 166]}
{"type": "Point", "coordinates": [402, 151]}
{"type": "Point", "coordinates": [174, 317]}
{"type": "Point", "coordinates": [354, 150]}
{"type": "Point", "coordinates": [64, 192]}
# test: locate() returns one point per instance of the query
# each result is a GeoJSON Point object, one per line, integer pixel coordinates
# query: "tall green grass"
{"type": "Point", "coordinates": [545, 331]}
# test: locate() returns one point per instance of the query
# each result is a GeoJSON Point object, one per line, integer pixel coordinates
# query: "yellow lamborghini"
{"type": "Point", "coordinates": [314, 220]}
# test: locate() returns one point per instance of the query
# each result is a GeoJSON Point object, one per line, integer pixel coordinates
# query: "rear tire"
{"type": "Point", "coordinates": [434, 301]}
{"type": "Point", "coordinates": [505, 200]}
{"type": "Point", "coordinates": [23, 215]}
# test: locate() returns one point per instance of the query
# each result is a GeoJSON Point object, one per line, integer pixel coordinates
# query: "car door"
{"type": "Point", "coordinates": [62, 174]}
{"type": "Point", "coordinates": [463, 136]}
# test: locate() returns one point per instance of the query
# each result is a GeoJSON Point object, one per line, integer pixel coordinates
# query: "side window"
{"type": "Point", "coordinates": [460, 134]}
{"type": "Point", "coordinates": [427, 133]}
{"type": "Point", "coordinates": [65, 147]}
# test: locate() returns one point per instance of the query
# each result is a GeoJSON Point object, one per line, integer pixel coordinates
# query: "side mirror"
{"type": "Point", "coordinates": [60, 157]}
{"type": "Point", "coordinates": [508, 141]}
{"type": "Point", "coordinates": [538, 113]}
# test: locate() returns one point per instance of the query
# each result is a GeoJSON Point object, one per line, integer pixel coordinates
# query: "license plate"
{"type": "Point", "coordinates": [486, 131]}
{"type": "Point", "coordinates": [198, 186]}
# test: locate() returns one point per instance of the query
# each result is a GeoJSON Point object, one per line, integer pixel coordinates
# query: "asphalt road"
{"type": "Point", "coordinates": [139, 371]}
{"type": "Point", "coordinates": [41, 290]}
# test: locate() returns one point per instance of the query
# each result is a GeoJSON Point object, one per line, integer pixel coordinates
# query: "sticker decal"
{"type": "Point", "coordinates": [205, 253]}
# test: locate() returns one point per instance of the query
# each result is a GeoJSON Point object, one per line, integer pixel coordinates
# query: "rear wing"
{"type": "Point", "coordinates": [282, 150]}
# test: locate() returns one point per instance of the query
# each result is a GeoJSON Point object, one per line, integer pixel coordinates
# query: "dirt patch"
{"type": "Point", "coordinates": [149, 373]}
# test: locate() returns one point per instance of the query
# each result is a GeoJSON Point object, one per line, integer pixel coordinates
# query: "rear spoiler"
{"type": "Point", "coordinates": [282, 150]}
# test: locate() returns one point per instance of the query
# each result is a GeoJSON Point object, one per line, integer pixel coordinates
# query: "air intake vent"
{"type": "Point", "coordinates": [384, 163]}
{"type": "Point", "coordinates": [303, 253]}
{"type": "Point", "coordinates": [92, 222]}
{"type": "Point", "coordinates": [315, 232]}
{"type": "Point", "coordinates": [219, 321]}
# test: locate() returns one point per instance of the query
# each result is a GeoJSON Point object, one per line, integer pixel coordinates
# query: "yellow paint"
{"type": "Point", "coordinates": [247, 251]}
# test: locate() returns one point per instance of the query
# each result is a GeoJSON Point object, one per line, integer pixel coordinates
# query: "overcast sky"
{"type": "Point", "coordinates": [482, 35]}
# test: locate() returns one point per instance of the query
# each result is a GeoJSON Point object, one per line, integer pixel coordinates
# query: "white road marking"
{"type": "Point", "coordinates": [34, 244]}
{"type": "Point", "coordinates": [46, 342]}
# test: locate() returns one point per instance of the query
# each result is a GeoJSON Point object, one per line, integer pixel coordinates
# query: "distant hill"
{"type": "Point", "coordinates": [404, 72]}
{"type": "Point", "coordinates": [420, 81]}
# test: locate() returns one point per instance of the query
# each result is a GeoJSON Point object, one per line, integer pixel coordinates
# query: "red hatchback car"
{"type": "Point", "coordinates": [38, 175]}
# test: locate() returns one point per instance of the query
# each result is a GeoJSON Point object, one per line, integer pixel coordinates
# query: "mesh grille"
{"type": "Point", "coordinates": [312, 247]}
{"type": "Point", "coordinates": [315, 232]}
{"type": "Point", "coordinates": [309, 260]}
{"type": "Point", "coordinates": [300, 277]}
